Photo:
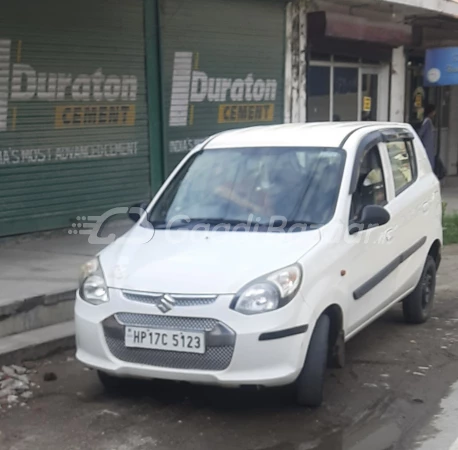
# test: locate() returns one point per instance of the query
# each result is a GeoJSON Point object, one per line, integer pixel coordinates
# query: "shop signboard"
{"type": "Point", "coordinates": [441, 66]}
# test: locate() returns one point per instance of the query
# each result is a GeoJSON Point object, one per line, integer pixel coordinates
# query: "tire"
{"type": "Point", "coordinates": [112, 384]}
{"type": "Point", "coordinates": [336, 357]}
{"type": "Point", "coordinates": [310, 382]}
{"type": "Point", "coordinates": [418, 305]}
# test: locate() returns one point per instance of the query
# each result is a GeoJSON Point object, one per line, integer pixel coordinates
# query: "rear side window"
{"type": "Point", "coordinates": [403, 164]}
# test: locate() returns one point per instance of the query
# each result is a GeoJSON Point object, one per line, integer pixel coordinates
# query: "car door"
{"type": "Point", "coordinates": [410, 208]}
{"type": "Point", "coordinates": [371, 280]}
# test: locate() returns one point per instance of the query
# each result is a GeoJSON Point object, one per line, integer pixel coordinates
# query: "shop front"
{"type": "Point", "coordinates": [349, 66]}
{"type": "Point", "coordinates": [222, 68]}
{"type": "Point", "coordinates": [441, 77]}
{"type": "Point", "coordinates": [73, 111]}
{"type": "Point", "coordinates": [419, 94]}
{"type": "Point", "coordinates": [341, 89]}
{"type": "Point", "coordinates": [432, 78]}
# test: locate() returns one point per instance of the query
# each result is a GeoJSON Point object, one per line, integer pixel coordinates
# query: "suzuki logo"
{"type": "Point", "coordinates": [166, 303]}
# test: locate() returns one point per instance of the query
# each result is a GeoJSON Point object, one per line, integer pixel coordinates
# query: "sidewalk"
{"type": "Point", "coordinates": [46, 263]}
{"type": "Point", "coordinates": [38, 278]}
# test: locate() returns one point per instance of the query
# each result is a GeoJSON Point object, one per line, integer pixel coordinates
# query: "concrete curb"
{"type": "Point", "coordinates": [18, 316]}
{"type": "Point", "coordinates": [35, 344]}
{"type": "Point", "coordinates": [26, 304]}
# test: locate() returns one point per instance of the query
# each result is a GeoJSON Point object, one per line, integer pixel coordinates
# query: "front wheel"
{"type": "Point", "coordinates": [418, 305]}
{"type": "Point", "coordinates": [309, 385]}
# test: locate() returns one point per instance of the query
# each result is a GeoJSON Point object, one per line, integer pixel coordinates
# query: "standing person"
{"type": "Point", "coordinates": [426, 133]}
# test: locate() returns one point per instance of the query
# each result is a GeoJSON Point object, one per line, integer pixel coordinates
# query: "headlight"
{"type": "Point", "coordinates": [93, 287]}
{"type": "Point", "coordinates": [270, 292]}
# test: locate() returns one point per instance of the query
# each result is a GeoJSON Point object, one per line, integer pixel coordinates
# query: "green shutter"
{"type": "Point", "coordinates": [73, 111]}
{"type": "Point", "coordinates": [223, 68]}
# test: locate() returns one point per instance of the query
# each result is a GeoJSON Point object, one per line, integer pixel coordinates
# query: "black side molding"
{"type": "Point", "coordinates": [387, 270]}
{"type": "Point", "coordinates": [376, 279]}
{"type": "Point", "coordinates": [283, 333]}
{"type": "Point", "coordinates": [410, 251]}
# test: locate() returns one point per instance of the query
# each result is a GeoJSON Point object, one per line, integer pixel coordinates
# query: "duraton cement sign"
{"type": "Point", "coordinates": [216, 81]}
{"type": "Point", "coordinates": [239, 100]}
{"type": "Point", "coordinates": [46, 98]}
{"type": "Point", "coordinates": [109, 99]}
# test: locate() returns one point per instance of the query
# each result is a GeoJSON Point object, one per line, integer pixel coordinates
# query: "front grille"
{"type": "Point", "coordinates": [180, 300]}
{"type": "Point", "coordinates": [176, 323]}
{"type": "Point", "coordinates": [218, 354]}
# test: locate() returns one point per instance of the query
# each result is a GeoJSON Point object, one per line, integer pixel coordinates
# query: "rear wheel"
{"type": "Point", "coordinates": [418, 305]}
{"type": "Point", "coordinates": [309, 385]}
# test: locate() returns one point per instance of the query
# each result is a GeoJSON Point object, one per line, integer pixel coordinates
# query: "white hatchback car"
{"type": "Point", "coordinates": [263, 253]}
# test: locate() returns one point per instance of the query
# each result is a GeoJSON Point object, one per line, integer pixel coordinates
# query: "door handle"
{"type": "Point", "coordinates": [389, 234]}
{"type": "Point", "coordinates": [425, 207]}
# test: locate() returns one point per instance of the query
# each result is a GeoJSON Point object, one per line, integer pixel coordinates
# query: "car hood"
{"type": "Point", "coordinates": [199, 262]}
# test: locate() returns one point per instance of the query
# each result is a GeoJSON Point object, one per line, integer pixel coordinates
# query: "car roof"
{"type": "Point", "coordinates": [319, 134]}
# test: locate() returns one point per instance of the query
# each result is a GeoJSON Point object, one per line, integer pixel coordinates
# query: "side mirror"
{"type": "Point", "coordinates": [371, 216]}
{"type": "Point", "coordinates": [136, 211]}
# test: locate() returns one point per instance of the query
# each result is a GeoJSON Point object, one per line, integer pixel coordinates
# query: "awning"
{"type": "Point", "coordinates": [323, 25]}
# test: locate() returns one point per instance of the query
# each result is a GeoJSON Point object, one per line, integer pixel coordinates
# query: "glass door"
{"type": "Point", "coordinates": [345, 94]}
{"type": "Point", "coordinates": [338, 91]}
{"type": "Point", "coordinates": [369, 90]}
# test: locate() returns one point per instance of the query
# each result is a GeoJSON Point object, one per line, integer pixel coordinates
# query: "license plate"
{"type": "Point", "coordinates": [171, 340]}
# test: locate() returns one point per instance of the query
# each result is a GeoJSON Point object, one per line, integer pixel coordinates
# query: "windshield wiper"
{"type": "Point", "coordinates": [221, 221]}
{"type": "Point", "coordinates": [183, 223]}
{"type": "Point", "coordinates": [289, 224]}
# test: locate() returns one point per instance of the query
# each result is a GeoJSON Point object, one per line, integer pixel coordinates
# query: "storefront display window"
{"type": "Point", "coordinates": [418, 96]}
{"type": "Point", "coordinates": [319, 94]}
{"type": "Point", "coordinates": [369, 99]}
{"type": "Point", "coordinates": [343, 91]}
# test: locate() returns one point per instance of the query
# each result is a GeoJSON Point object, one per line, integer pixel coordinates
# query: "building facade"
{"type": "Point", "coordinates": [100, 101]}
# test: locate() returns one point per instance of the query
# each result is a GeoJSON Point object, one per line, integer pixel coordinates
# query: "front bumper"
{"type": "Point", "coordinates": [235, 354]}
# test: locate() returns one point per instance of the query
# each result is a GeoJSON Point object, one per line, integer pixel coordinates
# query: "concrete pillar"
{"type": "Point", "coordinates": [295, 61]}
{"type": "Point", "coordinates": [398, 77]}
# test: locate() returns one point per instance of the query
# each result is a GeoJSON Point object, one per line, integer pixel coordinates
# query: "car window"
{"type": "Point", "coordinates": [370, 189]}
{"type": "Point", "coordinates": [293, 183]}
{"type": "Point", "coordinates": [402, 164]}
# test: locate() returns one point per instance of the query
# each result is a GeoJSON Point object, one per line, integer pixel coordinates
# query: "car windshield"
{"type": "Point", "coordinates": [266, 186]}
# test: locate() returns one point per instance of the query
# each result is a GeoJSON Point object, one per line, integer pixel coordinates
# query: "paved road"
{"type": "Point", "coordinates": [395, 379]}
